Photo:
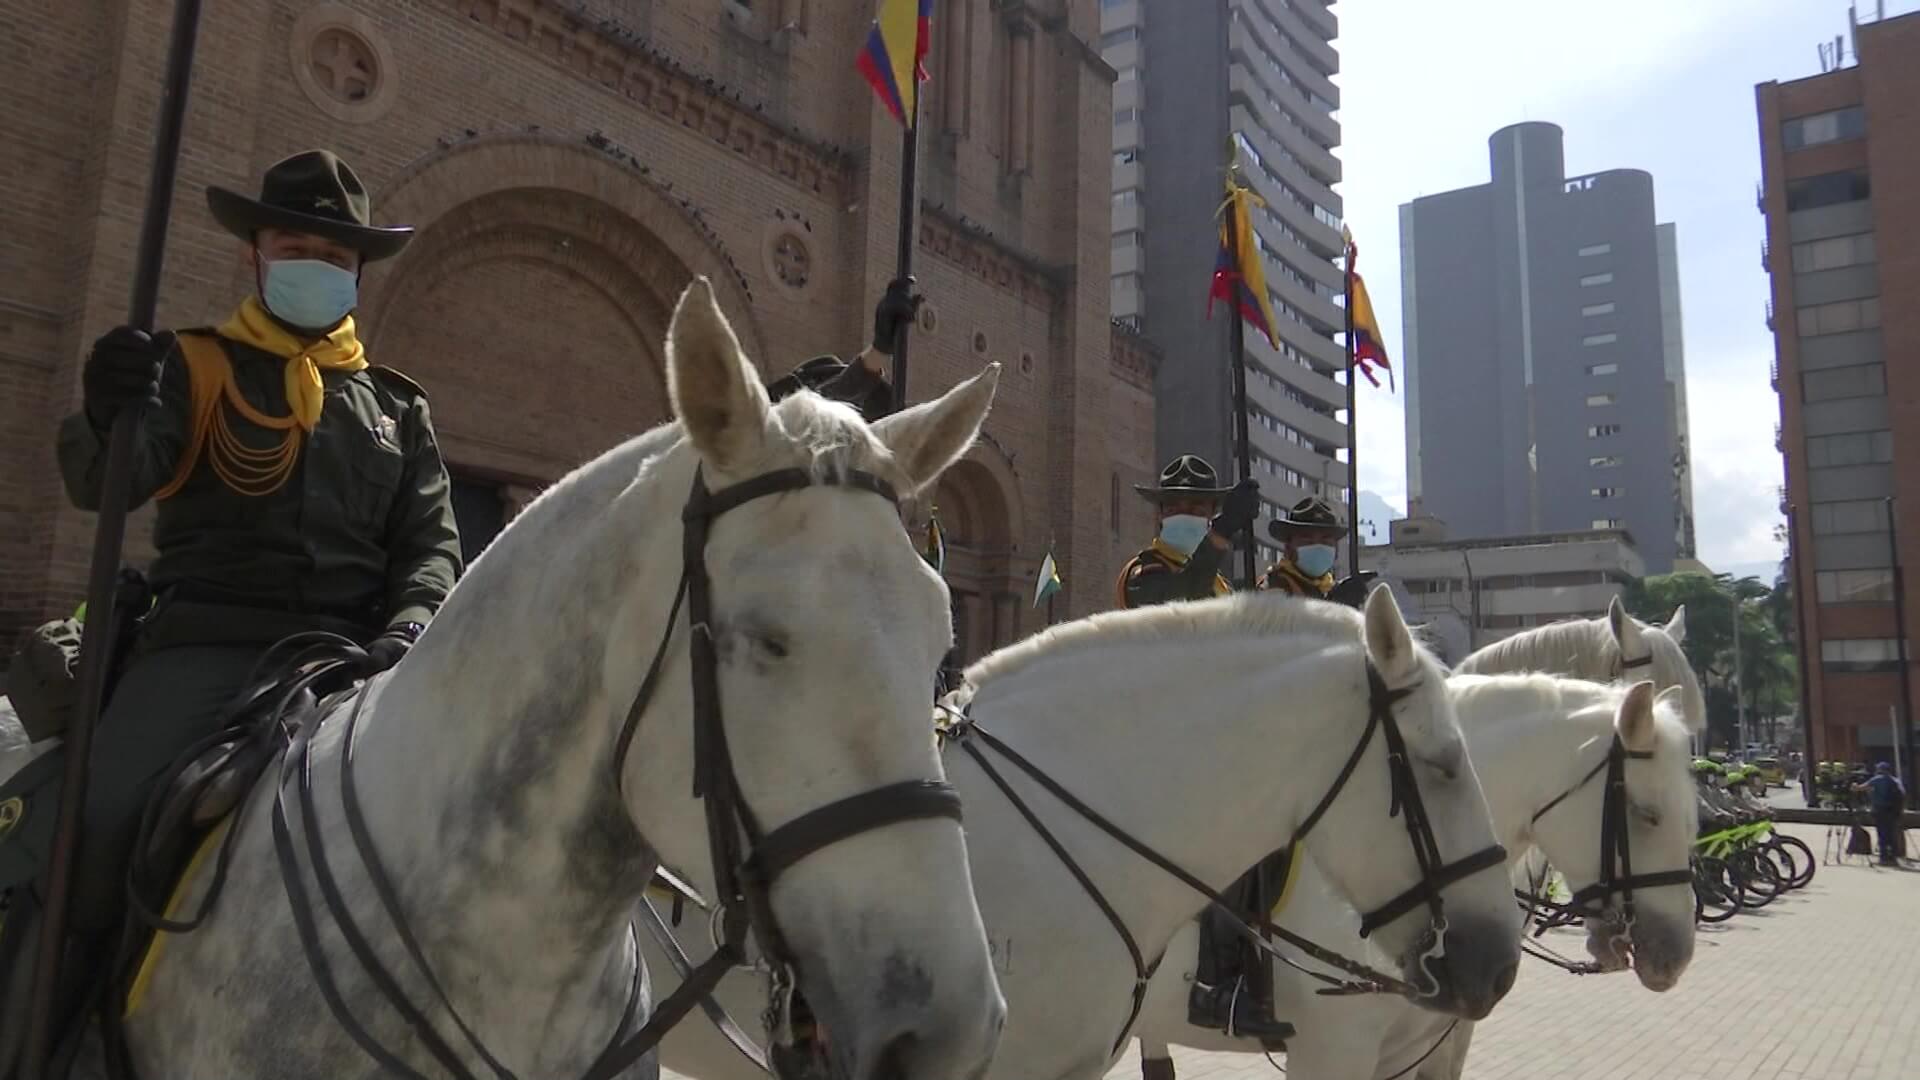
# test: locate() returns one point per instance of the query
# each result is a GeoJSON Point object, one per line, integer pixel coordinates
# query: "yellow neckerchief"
{"type": "Point", "coordinates": [1321, 585]}
{"type": "Point", "coordinates": [1178, 559]}
{"type": "Point", "coordinates": [244, 469]}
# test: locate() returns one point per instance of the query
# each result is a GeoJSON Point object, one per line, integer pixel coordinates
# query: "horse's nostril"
{"type": "Point", "coordinates": [1505, 981]}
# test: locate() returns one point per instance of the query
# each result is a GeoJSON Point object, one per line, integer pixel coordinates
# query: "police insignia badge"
{"type": "Point", "coordinates": [387, 432]}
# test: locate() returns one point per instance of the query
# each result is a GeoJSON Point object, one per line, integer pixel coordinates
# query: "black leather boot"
{"type": "Point", "coordinates": [1234, 1011]}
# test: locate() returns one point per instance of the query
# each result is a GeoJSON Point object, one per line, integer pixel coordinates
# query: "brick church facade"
{"type": "Point", "coordinates": [569, 166]}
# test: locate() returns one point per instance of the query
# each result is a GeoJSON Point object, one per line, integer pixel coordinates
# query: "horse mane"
{"type": "Point", "coordinates": [1256, 614]}
{"type": "Point", "coordinates": [1566, 694]}
{"type": "Point", "coordinates": [1581, 647]}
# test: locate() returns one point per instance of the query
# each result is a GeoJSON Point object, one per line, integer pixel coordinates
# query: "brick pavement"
{"type": "Point", "coordinates": [1823, 984]}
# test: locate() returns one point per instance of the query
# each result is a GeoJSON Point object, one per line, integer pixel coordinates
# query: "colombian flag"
{"type": "Point", "coordinates": [1245, 282]}
{"type": "Point", "coordinates": [1369, 347]}
{"type": "Point", "coordinates": [894, 60]}
{"type": "Point", "coordinates": [935, 550]}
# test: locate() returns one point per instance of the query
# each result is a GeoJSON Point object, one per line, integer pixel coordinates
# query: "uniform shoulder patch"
{"type": "Point", "coordinates": [397, 382]}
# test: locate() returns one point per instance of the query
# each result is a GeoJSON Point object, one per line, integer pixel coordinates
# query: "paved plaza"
{"type": "Point", "coordinates": [1823, 984]}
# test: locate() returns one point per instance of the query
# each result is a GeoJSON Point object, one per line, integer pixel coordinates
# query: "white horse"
{"type": "Point", "coordinates": [1208, 731]}
{"type": "Point", "coordinates": [1539, 743]}
{"type": "Point", "coordinates": [1616, 647]}
{"type": "Point", "coordinates": [487, 771]}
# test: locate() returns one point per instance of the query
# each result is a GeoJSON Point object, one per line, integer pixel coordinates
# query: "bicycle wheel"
{"type": "Point", "coordinates": [1782, 862]}
{"type": "Point", "coordinates": [1713, 888]}
{"type": "Point", "coordinates": [1802, 856]}
{"type": "Point", "coordinates": [1756, 878]}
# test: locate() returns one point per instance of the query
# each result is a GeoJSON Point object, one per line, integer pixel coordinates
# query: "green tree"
{"type": "Point", "coordinates": [1768, 673]}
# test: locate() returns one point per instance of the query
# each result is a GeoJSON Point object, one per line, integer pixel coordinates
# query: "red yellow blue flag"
{"type": "Point", "coordinates": [894, 59]}
{"type": "Point", "coordinates": [1242, 280]}
{"type": "Point", "coordinates": [1369, 347]}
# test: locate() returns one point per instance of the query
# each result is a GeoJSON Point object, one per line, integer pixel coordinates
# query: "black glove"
{"type": "Point", "coordinates": [897, 309]}
{"type": "Point", "coordinates": [386, 650]}
{"type": "Point", "coordinates": [123, 372]}
{"type": "Point", "coordinates": [1352, 591]}
{"type": "Point", "coordinates": [1238, 508]}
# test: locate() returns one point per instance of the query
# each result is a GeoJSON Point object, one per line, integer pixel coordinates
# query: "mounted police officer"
{"type": "Point", "coordinates": [1309, 534]}
{"type": "Point", "coordinates": [299, 487]}
{"type": "Point", "coordinates": [1199, 521]}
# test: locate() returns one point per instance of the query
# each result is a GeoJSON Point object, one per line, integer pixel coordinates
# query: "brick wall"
{"type": "Point", "coordinates": [569, 166]}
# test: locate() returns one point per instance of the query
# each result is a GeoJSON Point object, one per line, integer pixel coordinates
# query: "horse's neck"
{"type": "Point", "coordinates": [1209, 753]}
{"type": "Point", "coordinates": [484, 760]}
{"type": "Point", "coordinates": [1526, 750]}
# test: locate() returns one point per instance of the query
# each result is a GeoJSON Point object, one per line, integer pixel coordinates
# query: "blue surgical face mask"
{"type": "Point", "coordinates": [1314, 559]}
{"type": "Point", "coordinates": [309, 293]}
{"type": "Point", "coordinates": [1183, 532]}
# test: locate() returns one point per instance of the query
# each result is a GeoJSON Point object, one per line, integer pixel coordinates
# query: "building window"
{"type": "Point", "coordinates": [1597, 400]}
{"type": "Point", "coordinates": [1828, 189]}
{"type": "Point", "coordinates": [1860, 654]}
{"type": "Point", "coordinates": [1120, 36]}
{"type": "Point", "coordinates": [1609, 368]}
{"type": "Point", "coordinates": [1596, 249]}
{"type": "Point", "coordinates": [1854, 586]}
{"type": "Point", "coordinates": [1128, 240]}
{"type": "Point", "coordinates": [1861, 448]}
{"type": "Point", "coordinates": [1111, 3]}
{"type": "Point", "coordinates": [1601, 431]}
{"type": "Point", "coordinates": [1599, 339]}
{"type": "Point", "coordinates": [1863, 380]}
{"type": "Point", "coordinates": [1604, 462]}
{"type": "Point", "coordinates": [1597, 279]}
{"type": "Point", "coordinates": [1839, 317]}
{"type": "Point", "coordinates": [1608, 492]}
{"type": "Point", "coordinates": [1129, 197]}
{"type": "Point", "coordinates": [1124, 116]}
{"type": "Point", "coordinates": [1127, 74]}
{"type": "Point", "coordinates": [1598, 309]}
{"type": "Point", "coordinates": [1826, 127]}
{"type": "Point", "coordinates": [1833, 253]}
{"type": "Point", "coordinates": [1849, 516]}
{"type": "Point", "coordinates": [1606, 523]}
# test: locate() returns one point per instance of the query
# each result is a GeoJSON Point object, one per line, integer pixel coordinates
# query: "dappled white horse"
{"type": "Point", "coordinates": [1208, 731]}
{"type": "Point", "coordinates": [518, 838]}
{"type": "Point", "coordinates": [1542, 746]}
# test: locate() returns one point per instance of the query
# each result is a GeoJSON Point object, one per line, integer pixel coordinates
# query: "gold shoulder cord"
{"type": "Point", "coordinates": [244, 469]}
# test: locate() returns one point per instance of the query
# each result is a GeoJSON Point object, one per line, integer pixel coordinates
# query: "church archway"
{"type": "Point", "coordinates": [979, 513]}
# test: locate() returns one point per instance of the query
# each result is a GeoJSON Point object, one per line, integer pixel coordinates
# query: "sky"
{"type": "Point", "coordinates": [1661, 85]}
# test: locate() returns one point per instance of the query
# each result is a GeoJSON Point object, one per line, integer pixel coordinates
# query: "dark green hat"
{"type": "Point", "coordinates": [1307, 514]}
{"type": "Point", "coordinates": [310, 192]}
{"type": "Point", "coordinates": [1185, 477]}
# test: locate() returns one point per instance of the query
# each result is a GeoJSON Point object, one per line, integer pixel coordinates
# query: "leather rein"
{"type": "Point", "coordinates": [1616, 876]}
{"type": "Point", "coordinates": [747, 859]}
{"type": "Point", "coordinates": [966, 732]}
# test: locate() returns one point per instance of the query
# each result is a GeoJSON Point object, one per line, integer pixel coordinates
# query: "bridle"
{"type": "Point", "coordinates": [965, 730]}
{"type": "Point", "coordinates": [1616, 877]}
{"type": "Point", "coordinates": [747, 858]}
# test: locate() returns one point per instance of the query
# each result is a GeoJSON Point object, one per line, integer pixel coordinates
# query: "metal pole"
{"type": "Point", "coordinates": [1237, 342]}
{"type": "Point", "coordinates": [903, 260]}
{"type": "Point", "coordinates": [1739, 685]}
{"type": "Point", "coordinates": [1353, 457]}
{"type": "Point", "coordinates": [1900, 638]}
{"type": "Point", "coordinates": [96, 643]}
{"type": "Point", "coordinates": [1807, 756]}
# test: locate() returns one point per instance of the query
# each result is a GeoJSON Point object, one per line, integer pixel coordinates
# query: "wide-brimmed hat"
{"type": "Point", "coordinates": [1185, 477]}
{"type": "Point", "coordinates": [1307, 515]}
{"type": "Point", "coordinates": [310, 192]}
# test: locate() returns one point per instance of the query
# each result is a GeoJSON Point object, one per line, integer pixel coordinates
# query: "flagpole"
{"type": "Point", "coordinates": [96, 643]}
{"type": "Point", "coordinates": [1353, 459]}
{"type": "Point", "coordinates": [1237, 342]}
{"type": "Point", "coordinates": [903, 261]}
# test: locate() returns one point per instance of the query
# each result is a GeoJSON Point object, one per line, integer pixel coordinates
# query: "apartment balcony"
{"type": "Point", "coordinates": [1779, 440]}
{"type": "Point", "coordinates": [1129, 175]}
{"type": "Point", "coordinates": [1774, 377]}
{"type": "Point", "coordinates": [1770, 315]}
{"type": "Point", "coordinates": [1248, 48]}
{"type": "Point", "coordinates": [1280, 41]}
{"type": "Point", "coordinates": [1247, 90]}
{"type": "Point", "coordinates": [1315, 36]}
{"type": "Point", "coordinates": [1766, 262]}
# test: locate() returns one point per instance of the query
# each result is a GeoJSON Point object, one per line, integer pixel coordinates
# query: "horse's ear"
{"type": "Point", "coordinates": [716, 391]}
{"type": "Point", "coordinates": [1388, 640]}
{"type": "Point", "coordinates": [1677, 626]}
{"type": "Point", "coordinates": [931, 436]}
{"type": "Point", "coordinates": [1626, 629]}
{"type": "Point", "coordinates": [1675, 698]}
{"type": "Point", "coordinates": [1634, 720]}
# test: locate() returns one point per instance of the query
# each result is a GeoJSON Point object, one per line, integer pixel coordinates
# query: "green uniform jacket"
{"type": "Point", "coordinates": [363, 530]}
{"type": "Point", "coordinates": [1285, 577]}
{"type": "Point", "coordinates": [1159, 576]}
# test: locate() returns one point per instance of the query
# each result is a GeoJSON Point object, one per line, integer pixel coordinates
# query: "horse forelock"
{"type": "Point", "coordinates": [1242, 615]}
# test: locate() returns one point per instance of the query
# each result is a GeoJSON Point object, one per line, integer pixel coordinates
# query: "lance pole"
{"type": "Point", "coordinates": [1237, 344]}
